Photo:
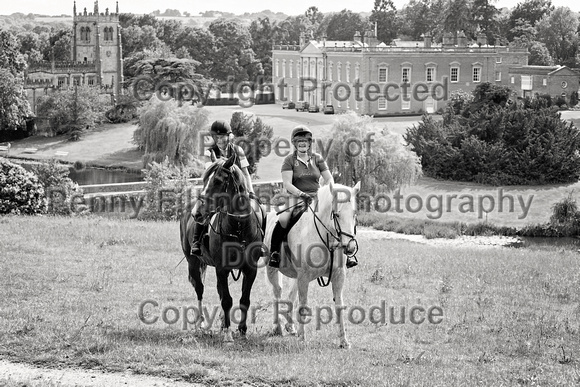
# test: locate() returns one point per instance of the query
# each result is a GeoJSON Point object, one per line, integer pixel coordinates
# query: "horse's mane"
{"type": "Point", "coordinates": [325, 197]}
{"type": "Point", "coordinates": [238, 174]}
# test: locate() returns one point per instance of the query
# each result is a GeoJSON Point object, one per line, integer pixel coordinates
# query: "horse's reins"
{"type": "Point", "coordinates": [326, 243]}
{"type": "Point", "coordinates": [221, 212]}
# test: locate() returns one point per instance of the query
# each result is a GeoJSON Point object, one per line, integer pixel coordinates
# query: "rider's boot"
{"type": "Point", "coordinates": [277, 237]}
{"type": "Point", "coordinates": [196, 247]}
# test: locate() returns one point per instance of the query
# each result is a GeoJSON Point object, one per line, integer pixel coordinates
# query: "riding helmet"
{"type": "Point", "coordinates": [301, 131]}
{"type": "Point", "coordinates": [220, 127]}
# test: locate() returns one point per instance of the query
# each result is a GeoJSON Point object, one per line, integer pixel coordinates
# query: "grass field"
{"type": "Point", "coordinates": [71, 289]}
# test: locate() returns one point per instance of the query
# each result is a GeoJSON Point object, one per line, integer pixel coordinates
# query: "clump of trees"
{"type": "Point", "coordinates": [496, 139]}
{"type": "Point", "coordinates": [70, 111]}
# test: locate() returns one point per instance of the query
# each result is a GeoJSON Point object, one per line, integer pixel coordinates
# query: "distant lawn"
{"type": "Point", "coordinates": [71, 289]}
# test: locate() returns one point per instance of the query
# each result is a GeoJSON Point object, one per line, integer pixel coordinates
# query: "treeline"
{"type": "Point", "coordinates": [232, 47]}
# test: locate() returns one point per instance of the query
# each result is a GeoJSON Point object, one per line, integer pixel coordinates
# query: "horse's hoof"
{"type": "Point", "coordinates": [291, 329]}
{"type": "Point", "coordinates": [345, 344]}
{"type": "Point", "coordinates": [228, 337]}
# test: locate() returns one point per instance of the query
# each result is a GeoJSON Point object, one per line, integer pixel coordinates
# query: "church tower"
{"type": "Point", "coordinates": [97, 39]}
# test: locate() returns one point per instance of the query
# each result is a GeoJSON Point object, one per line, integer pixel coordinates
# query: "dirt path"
{"type": "Point", "coordinates": [19, 374]}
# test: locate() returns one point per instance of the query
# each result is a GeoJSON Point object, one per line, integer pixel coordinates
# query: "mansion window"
{"type": "Point", "coordinates": [91, 81]}
{"type": "Point", "coordinates": [406, 75]}
{"type": "Point", "coordinates": [454, 75]}
{"type": "Point", "coordinates": [476, 74]}
{"type": "Point", "coordinates": [406, 101]}
{"type": "Point", "coordinates": [498, 76]}
{"type": "Point", "coordinates": [430, 75]}
{"type": "Point", "coordinates": [382, 103]}
{"type": "Point", "coordinates": [383, 75]}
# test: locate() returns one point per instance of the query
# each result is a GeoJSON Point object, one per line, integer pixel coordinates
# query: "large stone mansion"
{"type": "Point", "coordinates": [370, 77]}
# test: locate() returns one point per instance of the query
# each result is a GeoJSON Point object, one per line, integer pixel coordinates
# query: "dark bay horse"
{"type": "Point", "coordinates": [234, 242]}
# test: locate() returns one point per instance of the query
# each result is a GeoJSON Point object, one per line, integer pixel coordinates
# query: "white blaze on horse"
{"type": "Point", "coordinates": [317, 245]}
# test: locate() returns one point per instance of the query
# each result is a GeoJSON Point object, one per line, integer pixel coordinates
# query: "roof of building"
{"type": "Point", "coordinates": [539, 70]}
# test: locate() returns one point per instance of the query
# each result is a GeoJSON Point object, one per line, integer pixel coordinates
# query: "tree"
{"type": "Point", "coordinates": [136, 39]}
{"type": "Point", "coordinates": [385, 15]}
{"type": "Point", "coordinates": [288, 31]}
{"type": "Point", "coordinates": [200, 43]}
{"type": "Point", "coordinates": [250, 133]}
{"type": "Point", "coordinates": [559, 32]}
{"type": "Point", "coordinates": [416, 19]}
{"type": "Point", "coordinates": [382, 167]}
{"type": "Point", "coordinates": [314, 15]}
{"type": "Point", "coordinates": [263, 36]}
{"type": "Point", "coordinates": [344, 25]}
{"type": "Point", "coordinates": [492, 139]}
{"type": "Point", "coordinates": [60, 43]}
{"type": "Point", "coordinates": [458, 17]}
{"type": "Point", "coordinates": [232, 38]}
{"type": "Point", "coordinates": [10, 57]}
{"type": "Point", "coordinates": [74, 109]}
{"type": "Point", "coordinates": [14, 106]}
{"type": "Point", "coordinates": [485, 18]}
{"type": "Point", "coordinates": [531, 11]}
{"type": "Point", "coordinates": [167, 130]}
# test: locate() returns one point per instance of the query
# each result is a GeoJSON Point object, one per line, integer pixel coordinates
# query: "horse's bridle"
{"type": "Point", "coordinates": [337, 237]}
{"type": "Point", "coordinates": [339, 233]}
{"type": "Point", "coordinates": [222, 212]}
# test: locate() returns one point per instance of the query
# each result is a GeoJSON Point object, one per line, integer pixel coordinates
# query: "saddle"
{"type": "Point", "coordinates": [205, 256]}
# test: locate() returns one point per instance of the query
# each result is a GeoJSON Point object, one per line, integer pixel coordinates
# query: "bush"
{"type": "Point", "coordinates": [163, 179]}
{"type": "Point", "coordinates": [493, 140]}
{"type": "Point", "coordinates": [20, 190]}
{"type": "Point", "coordinates": [59, 188]}
{"type": "Point", "coordinates": [125, 110]}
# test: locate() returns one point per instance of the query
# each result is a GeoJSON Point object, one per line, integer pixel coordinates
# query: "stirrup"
{"type": "Point", "coordinates": [196, 249]}
{"type": "Point", "coordinates": [274, 260]}
{"type": "Point", "coordinates": [351, 262]}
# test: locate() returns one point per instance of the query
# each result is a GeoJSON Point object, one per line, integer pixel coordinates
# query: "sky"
{"type": "Point", "coordinates": [289, 7]}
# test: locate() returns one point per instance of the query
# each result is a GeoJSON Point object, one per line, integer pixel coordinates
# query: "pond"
{"type": "Point", "coordinates": [92, 175]}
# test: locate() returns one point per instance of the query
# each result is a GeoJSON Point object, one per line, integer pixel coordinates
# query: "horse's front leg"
{"type": "Point", "coordinates": [249, 277]}
{"type": "Point", "coordinates": [274, 278]}
{"type": "Point", "coordinates": [337, 285]}
{"type": "Point", "coordinates": [196, 278]}
{"type": "Point", "coordinates": [226, 301]}
{"type": "Point", "coordinates": [302, 312]}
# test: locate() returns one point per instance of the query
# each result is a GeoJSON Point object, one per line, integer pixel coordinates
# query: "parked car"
{"type": "Point", "coordinates": [313, 109]}
{"type": "Point", "coordinates": [302, 106]}
{"type": "Point", "coordinates": [328, 109]}
{"type": "Point", "coordinates": [288, 105]}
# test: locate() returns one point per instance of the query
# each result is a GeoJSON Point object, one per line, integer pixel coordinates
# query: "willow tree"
{"type": "Point", "coordinates": [167, 130]}
{"type": "Point", "coordinates": [376, 157]}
